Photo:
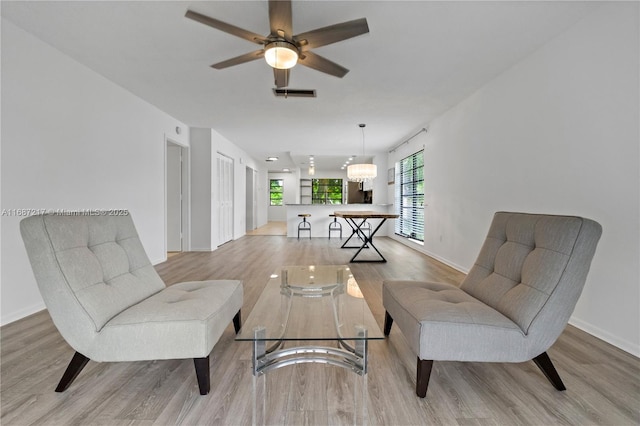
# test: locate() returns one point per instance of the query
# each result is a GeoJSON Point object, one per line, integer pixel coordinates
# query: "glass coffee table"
{"type": "Point", "coordinates": [310, 314]}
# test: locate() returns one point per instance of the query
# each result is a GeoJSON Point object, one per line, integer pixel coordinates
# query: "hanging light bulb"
{"type": "Point", "coordinates": [362, 172]}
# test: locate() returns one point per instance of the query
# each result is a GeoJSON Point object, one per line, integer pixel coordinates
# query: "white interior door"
{"type": "Point", "coordinates": [174, 197]}
{"type": "Point", "coordinates": [251, 199]}
{"type": "Point", "coordinates": [225, 201]}
{"type": "Point", "coordinates": [255, 199]}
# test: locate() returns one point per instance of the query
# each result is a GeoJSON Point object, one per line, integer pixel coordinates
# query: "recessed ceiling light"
{"type": "Point", "coordinates": [272, 158]}
{"type": "Point", "coordinates": [286, 170]}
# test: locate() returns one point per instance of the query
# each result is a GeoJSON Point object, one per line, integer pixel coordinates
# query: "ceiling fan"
{"type": "Point", "coordinates": [281, 48]}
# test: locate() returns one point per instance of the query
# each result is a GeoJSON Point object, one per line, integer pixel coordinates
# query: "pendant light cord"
{"type": "Point", "coordinates": [362, 128]}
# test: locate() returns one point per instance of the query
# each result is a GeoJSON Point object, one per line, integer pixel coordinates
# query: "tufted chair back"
{"type": "Point", "coordinates": [532, 269]}
{"type": "Point", "coordinates": [88, 269]}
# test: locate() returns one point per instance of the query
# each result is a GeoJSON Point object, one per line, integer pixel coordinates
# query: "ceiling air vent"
{"type": "Point", "coordinates": [294, 93]}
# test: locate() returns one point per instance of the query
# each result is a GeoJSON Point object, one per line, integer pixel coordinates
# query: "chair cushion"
{"type": "Point", "coordinates": [442, 322]}
{"type": "Point", "coordinates": [95, 265]}
{"type": "Point", "coordinates": [522, 261]}
{"type": "Point", "coordinates": [183, 321]}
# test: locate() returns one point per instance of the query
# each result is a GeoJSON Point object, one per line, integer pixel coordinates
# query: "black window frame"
{"type": "Point", "coordinates": [327, 191]}
{"type": "Point", "coordinates": [409, 197]}
{"type": "Point", "coordinates": [274, 190]}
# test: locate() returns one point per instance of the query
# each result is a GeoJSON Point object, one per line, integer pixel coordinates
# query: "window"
{"type": "Point", "coordinates": [275, 192]}
{"type": "Point", "coordinates": [409, 197]}
{"type": "Point", "coordinates": [326, 191]}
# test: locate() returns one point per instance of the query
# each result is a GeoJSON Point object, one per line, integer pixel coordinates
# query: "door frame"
{"type": "Point", "coordinates": [251, 198]}
{"type": "Point", "coordinates": [186, 195]}
{"type": "Point", "coordinates": [222, 157]}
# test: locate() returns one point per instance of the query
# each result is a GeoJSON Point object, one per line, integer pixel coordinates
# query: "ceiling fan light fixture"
{"type": "Point", "coordinates": [281, 55]}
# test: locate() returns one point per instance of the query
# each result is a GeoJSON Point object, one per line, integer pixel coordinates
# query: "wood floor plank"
{"type": "Point", "coordinates": [308, 388]}
{"type": "Point", "coordinates": [603, 382]}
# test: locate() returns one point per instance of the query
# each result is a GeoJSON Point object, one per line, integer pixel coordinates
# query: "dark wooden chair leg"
{"type": "Point", "coordinates": [73, 369]}
{"type": "Point", "coordinates": [422, 377]}
{"type": "Point", "coordinates": [544, 363]}
{"type": "Point", "coordinates": [237, 321]}
{"type": "Point", "coordinates": [202, 373]}
{"type": "Point", "coordinates": [388, 322]}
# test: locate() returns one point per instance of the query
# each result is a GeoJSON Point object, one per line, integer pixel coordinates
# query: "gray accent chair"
{"type": "Point", "coordinates": [513, 304]}
{"type": "Point", "coordinates": [110, 304]}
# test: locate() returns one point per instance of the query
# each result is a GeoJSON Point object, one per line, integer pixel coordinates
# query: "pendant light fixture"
{"type": "Point", "coordinates": [362, 172]}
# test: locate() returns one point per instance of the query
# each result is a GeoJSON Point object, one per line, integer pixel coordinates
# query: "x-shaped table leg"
{"type": "Point", "coordinates": [367, 241]}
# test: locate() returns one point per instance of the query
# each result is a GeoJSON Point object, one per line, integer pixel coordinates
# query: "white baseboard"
{"type": "Point", "coordinates": [421, 249]}
{"type": "Point", "coordinates": [630, 347]}
{"type": "Point", "coordinates": [446, 262]}
{"type": "Point", "coordinates": [15, 316]}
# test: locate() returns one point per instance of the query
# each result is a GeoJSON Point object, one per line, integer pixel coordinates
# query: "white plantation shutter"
{"type": "Point", "coordinates": [409, 197]}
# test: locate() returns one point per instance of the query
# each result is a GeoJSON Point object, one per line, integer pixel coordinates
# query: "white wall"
{"type": "Point", "coordinates": [380, 185]}
{"type": "Point", "coordinates": [206, 144]}
{"type": "Point", "coordinates": [219, 144]}
{"type": "Point", "coordinates": [73, 140]}
{"type": "Point", "coordinates": [324, 174]}
{"type": "Point", "coordinates": [201, 201]}
{"type": "Point", "coordinates": [290, 189]}
{"type": "Point", "coordinates": [557, 133]}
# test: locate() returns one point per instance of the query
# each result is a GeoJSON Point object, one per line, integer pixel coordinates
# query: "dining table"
{"type": "Point", "coordinates": [356, 220]}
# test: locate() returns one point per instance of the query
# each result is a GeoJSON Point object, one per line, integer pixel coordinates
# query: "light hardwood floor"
{"type": "Point", "coordinates": [603, 382]}
{"type": "Point", "coordinates": [271, 228]}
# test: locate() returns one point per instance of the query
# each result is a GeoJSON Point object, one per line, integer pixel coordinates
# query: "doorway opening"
{"type": "Point", "coordinates": [176, 200]}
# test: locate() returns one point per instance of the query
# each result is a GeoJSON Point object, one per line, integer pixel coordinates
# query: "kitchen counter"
{"type": "Point", "coordinates": [320, 218]}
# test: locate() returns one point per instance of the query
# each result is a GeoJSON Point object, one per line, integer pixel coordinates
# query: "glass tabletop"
{"type": "Point", "coordinates": [315, 302]}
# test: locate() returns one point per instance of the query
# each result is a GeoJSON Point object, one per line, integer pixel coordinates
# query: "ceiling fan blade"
{"type": "Point", "coordinates": [247, 57]}
{"type": "Point", "coordinates": [227, 28]}
{"type": "Point", "coordinates": [281, 77]}
{"type": "Point", "coordinates": [280, 18]}
{"type": "Point", "coordinates": [317, 62]}
{"type": "Point", "coordinates": [332, 34]}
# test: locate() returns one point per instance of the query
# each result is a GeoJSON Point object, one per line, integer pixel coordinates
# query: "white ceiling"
{"type": "Point", "coordinates": [419, 59]}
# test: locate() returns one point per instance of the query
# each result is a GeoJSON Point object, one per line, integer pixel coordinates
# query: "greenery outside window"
{"type": "Point", "coordinates": [326, 191]}
{"type": "Point", "coordinates": [276, 188]}
{"type": "Point", "coordinates": [409, 197]}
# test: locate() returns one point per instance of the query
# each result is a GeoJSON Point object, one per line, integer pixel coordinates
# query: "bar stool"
{"type": "Point", "coordinates": [335, 226]}
{"type": "Point", "coordinates": [304, 225]}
